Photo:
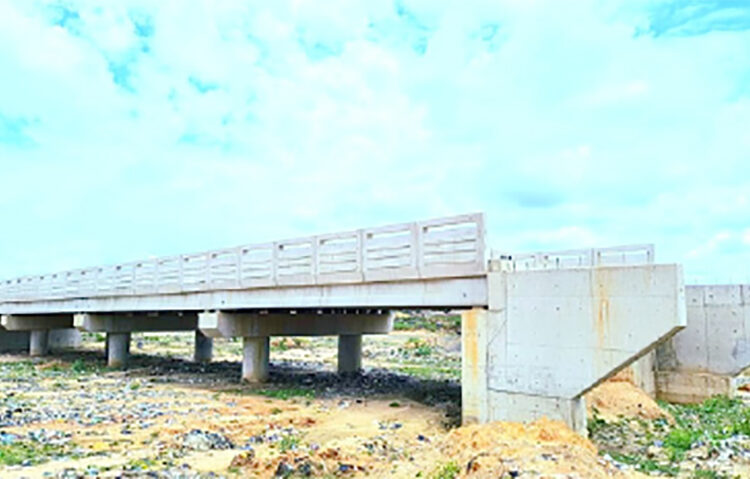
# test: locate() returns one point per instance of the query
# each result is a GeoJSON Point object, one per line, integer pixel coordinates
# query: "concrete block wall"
{"type": "Point", "coordinates": [549, 336]}
{"type": "Point", "coordinates": [705, 358]}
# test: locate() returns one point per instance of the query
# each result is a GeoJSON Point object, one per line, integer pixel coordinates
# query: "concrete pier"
{"type": "Point", "coordinates": [204, 348]}
{"type": "Point", "coordinates": [255, 356]}
{"type": "Point", "coordinates": [350, 353]}
{"type": "Point", "coordinates": [118, 349]}
{"type": "Point", "coordinates": [39, 343]}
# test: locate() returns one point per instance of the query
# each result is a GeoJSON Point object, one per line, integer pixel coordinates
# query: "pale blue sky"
{"type": "Point", "coordinates": [151, 128]}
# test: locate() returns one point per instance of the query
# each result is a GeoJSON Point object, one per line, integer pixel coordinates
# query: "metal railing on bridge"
{"type": "Point", "coordinates": [440, 248]}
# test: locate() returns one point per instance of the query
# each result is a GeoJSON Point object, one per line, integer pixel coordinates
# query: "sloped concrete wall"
{"type": "Point", "coordinates": [704, 358]}
{"type": "Point", "coordinates": [549, 336]}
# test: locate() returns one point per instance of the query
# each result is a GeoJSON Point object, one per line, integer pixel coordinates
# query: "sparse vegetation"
{"type": "Point", "coordinates": [660, 446]}
{"type": "Point", "coordinates": [413, 322]}
{"type": "Point", "coordinates": [24, 452]}
{"type": "Point", "coordinates": [448, 470]}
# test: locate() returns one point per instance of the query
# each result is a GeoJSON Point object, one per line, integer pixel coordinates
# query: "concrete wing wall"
{"type": "Point", "coordinates": [564, 331]}
{"type": "Point", "coordinates": [717, 337]}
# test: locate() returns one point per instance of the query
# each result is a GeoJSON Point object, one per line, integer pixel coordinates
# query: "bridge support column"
{"type": "Point", "coordinates": [38, 333]}
{"type": "Point", "coordinates": [255, 356]}
{"type": "Point", "coordinates": [118, 349]}
{"type": "Point", "coordinates": [39, 343]}
{"type": "Point", "coordinates": [350, 353]}
{"type": "Point", "coordinates": [549, 336]}
{"type": "Point", "coordinates": [204, 348]}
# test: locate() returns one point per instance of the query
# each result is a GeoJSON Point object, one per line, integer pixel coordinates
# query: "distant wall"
{"type": "Point", "coordinates": [703, 359]}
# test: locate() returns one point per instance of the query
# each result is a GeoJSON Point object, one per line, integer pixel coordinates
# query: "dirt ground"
{"type": "Point", "coordinates": [69, 416]}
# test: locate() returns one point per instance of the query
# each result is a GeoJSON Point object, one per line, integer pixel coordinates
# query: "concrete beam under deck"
{"type": "Point", "coordinates": [445, 293]}
{"type": "Point", "coordinates": [132, 322]}
{"type": "Point", "coordinates": [228, 325]}
{"type": "Point", "coordinates": [36, 322]}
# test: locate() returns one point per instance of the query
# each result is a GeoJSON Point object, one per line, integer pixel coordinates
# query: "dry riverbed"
{"type": "Point", "coordinates": [68, 416]}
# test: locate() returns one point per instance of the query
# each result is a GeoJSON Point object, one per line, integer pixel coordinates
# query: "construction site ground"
{"type": "Point", "coordinates": [69, 416]}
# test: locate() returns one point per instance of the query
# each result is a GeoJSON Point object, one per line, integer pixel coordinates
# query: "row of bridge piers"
{"type": "Point", "coordinates": [49, 331]}
{"type": "Point", "coordinates": [544, 340]}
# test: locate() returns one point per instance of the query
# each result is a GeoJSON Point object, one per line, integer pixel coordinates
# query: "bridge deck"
{"type": "Point", "coordinates": [435, 263]}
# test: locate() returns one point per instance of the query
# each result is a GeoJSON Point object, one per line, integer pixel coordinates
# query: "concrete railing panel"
{"type": "Point", "coordinates": [442, 248]}
{"type": "Point", "coordinates": [579, 258]}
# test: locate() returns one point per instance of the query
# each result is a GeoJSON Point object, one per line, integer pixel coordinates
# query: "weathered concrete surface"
{"type": "Point", "coordinates": [255, 355]}
{"type": "Point", "coordinates": [204, 348]}
{"type": "Point", "coordinates": [229, 325]}
{"type": "Point", "coordinates": [704, 358]}
{"type": "Point", "coordinates": [643, 372]}
{"type": "Point", "coordinates": [17, 341]}
{"type": "Point", "coordinates": [132, 322]}
{"type": "Point", "coordinates": [36, 322]}
{"type": "Point", "coordinates": [118, 349]}
{"type": "Point", "coordinates": [350, 353]}
{"type": "Point", "coordinates": [406, 294]}
{"type": "Point", "coordinates": [39, 343]}
{"type": "Point", "coordinates": [549, 336]}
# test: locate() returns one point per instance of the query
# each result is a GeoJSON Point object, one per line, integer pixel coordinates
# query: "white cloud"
{"type": "Point", "coordinates": [562, 125]}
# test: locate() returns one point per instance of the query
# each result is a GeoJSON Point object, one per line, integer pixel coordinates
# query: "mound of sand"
{"type": "Point", "coordinates": [543, 448]}
{"type": "Point", "coordinates": [620, 398]}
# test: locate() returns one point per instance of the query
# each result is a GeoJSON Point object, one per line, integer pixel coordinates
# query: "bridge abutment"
{"type": "Point", "coordinates": [549, 336]}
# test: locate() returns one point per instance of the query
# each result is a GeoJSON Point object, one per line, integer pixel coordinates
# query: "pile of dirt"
{"type": "Point", "coordinates": [544, 448]}
{"type": "Point", "coordinates": [618, 398]}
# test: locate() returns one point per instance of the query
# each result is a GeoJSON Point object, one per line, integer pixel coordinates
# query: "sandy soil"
{"type": "Point", "coordinates": [166, 417]}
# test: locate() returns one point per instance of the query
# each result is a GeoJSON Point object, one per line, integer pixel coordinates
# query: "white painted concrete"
{"type": "Point", "coordinates": [255, 357]}
{"type": "Point", "coordinates": [438, 248]}
{"type": "Point", "coordinates": [350, 353]}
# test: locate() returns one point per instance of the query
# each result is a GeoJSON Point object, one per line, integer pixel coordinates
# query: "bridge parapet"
{"type": "Point", "coordinates": [577, 258]}
{"type": "Point", "coordinates": [441, 248]}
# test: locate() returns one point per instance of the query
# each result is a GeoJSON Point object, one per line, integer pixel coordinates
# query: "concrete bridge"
{"type": "Point", "coordinates": [538, 330]}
